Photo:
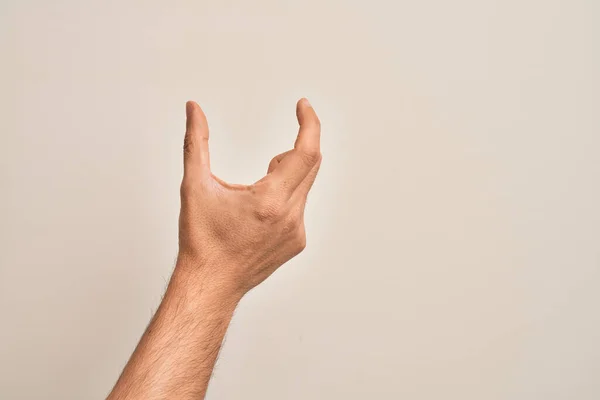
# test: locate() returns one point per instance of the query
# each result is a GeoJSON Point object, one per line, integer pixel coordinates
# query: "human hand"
{"type": "Point", "coordinates": [235, 236]}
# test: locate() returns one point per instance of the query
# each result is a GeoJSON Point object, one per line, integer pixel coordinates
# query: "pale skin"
{"type": "Point", "coordinates": [231, 238]}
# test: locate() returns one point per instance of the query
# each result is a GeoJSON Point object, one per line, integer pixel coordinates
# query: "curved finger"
{"type": "Point", "coordinates": [297, 164]}
{"type": "Point", "coordinates": [309, 134]}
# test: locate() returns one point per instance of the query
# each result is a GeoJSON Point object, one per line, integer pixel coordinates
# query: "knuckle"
{"type": "Point", "coordinates": [311, 156]}
{"type": "Point", "coordinates": [269, 209]}
{"type": "Point", "coordinates": [266, 190]}
{"type": "Point", "coordinates": [264, 213]}
{"type": "Point", "coordinates": [291, 225]}
{"type": "Point", "coordinates": [184, 189]}
{"type": "Point", "coordinates": [188, 188]}
{"type": "Point", "coordinates": [188, 143]}
{"type": "Point", "coordinates": [274, 160]}
{"type": "Point", "coordinates": [300, 242]}
{"type": "Point", "coordinates": [272, 165]}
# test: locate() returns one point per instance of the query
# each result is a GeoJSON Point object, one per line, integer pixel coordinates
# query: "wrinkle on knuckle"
{"type": "Point", "coordinates": [310, 156]}
{"type": "Point", "coordinates": [268, 210]}
{"type": "Point", "coordinates": [291, 225]}
{"type": "Point", "coordinates": [188, 143]}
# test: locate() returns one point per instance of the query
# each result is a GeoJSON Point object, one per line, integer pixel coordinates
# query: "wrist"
{"type": "Point", "coordinates": [200, 280]}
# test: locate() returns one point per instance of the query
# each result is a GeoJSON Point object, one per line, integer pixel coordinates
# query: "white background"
{"type": "Point", "coordinates": [453, 233]}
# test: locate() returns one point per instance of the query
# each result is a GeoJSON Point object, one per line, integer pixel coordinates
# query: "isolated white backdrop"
{"type": "Point", "coordinates": [453, 233]}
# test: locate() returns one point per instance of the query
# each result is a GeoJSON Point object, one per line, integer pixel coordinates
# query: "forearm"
{"type": "Point", "coordinates": [176, 354]}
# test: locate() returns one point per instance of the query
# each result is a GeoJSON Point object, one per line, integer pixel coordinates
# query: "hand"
{"type": "Point", "coordinates": [235, 236]}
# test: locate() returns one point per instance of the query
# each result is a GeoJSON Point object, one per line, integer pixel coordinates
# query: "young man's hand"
{"type": "Point", "coordinates": [235, 236]}
{"type": "Point", "coordinates": [231, 238]}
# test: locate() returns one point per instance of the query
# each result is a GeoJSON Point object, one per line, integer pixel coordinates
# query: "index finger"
{"type": "Point", "coordinates": [307, 149]}
{"type": "Point", "coordinates": [309, 134]}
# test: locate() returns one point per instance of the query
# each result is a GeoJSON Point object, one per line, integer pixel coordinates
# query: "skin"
{"type": "Point", "coordinates": [231, 238]}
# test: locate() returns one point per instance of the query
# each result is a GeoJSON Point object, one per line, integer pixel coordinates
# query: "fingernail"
{"type": "Point", "coordinates": [306, 102]}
